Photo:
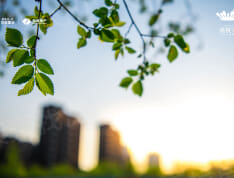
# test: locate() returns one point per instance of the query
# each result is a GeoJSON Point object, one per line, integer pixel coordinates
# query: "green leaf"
{"type": "Point", "coordinates": [172, 54]}
{"type": "Point", "coordinates": [23, 74]}
{"type": "Point", "coordinates": [117, 34]}
{"type": "Point", "coordinates": [81, 31]}
{"type": "Point", "coordinates": [120, 24]}
{"type": "Point", "coordinates": [106, 22]}
{"type": "Point", "coordinates": [101, 12]}
{"type": "Point", "coordinates": [155, 66]}
{"type": "Point", "coordinates": [28, 87]}
{"type": "Point", "coordinates": [153, 19]}
{"type": "Point", "coordinates": [31, 41]}
{"type": "Point", "coordinates": [126, 41]}
{"type": "Point", "coordinates": [44, 84]}
{"type": "Point", "coordinates": [107, 36]}
{"type": "Point", "coordinates": [43, 28]}
{"type": "Point", "coordinates": [117, 54]}
{"type": "Point", "coordinates": [115, 16]}
{"type": "Point", "coordinates": [170, 35]}
{"type": "Point", "coordinates": [179, 40]}
{"type": "Point", "coordinates": [36, 11]}
{"type": "Point", "coordinates": [32, 52]}
{"type": "Point", "coordinates": [29, 59]}
{"type": "Point", "coordinates": [96, 31]}
{"type": "Point", "coordinates": [130, 50]}
{"type": "Point", "coordinates": [10, 55]}
{"type": "Point", "coordinates": [48, 20]}
{"type": "Point", "coordinates": [137, 88]}
{"type": "Point", "coordinates": [13, 37]}
{"type": "Point", "coordinates": [116, 6]}
{"type": "Point", "coordinates": [88, 34]}
{"type": "Point", "coordinates": [167, 42]}
{"type": "Point", "coordinates": [187, 48]}
{"type": "Point", "coordinates": [116, 46]}
{"type": "Point", "coordinates": [48, 23]}
{"type": "Point", "coordinates": [122, 51]}
{"type": "Point", "coordinates": [81, 43]}
{"type": "Point", "coordinates": [108, 2]}
{"type": "Point", "coordinates": [126, 82]}
{"type": "Point", "coordinates": [19, 57]}
{"type": "Point", "coordinates": [44, 66]}
{"type": "Point", "coordinates": [132, 72]}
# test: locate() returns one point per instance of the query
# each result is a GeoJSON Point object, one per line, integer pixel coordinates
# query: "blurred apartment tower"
{"type": "Point", "coordinates": [1, 139]}
{"type": "Point", "coordinates": [154, 168]}
{"type": "Point", "coordinates": [153, 160]}
{"type": "Point", "coordinates": [59, 140]}
{"type": "Point", "coordinates": [110, 148]}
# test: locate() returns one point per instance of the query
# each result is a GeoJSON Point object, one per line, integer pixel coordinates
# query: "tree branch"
{"type": "Point", "coordinates": [129, 29]}
{"type": "Point", "coordinates": [58, 8]}
{"type": "Point", "coordinates": [37, 34]}
{"type": "Point", "coordinates": [136, 27]}
{"type": "Point", "coordinates": [154, 36]}
{"type": "Point", "coordinates": [74, 17]}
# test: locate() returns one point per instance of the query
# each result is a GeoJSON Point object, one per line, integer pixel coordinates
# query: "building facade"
{"type": "Point", "coordinates": [110, 147]}
{"type": "Point", "coordinates": [59, 140]}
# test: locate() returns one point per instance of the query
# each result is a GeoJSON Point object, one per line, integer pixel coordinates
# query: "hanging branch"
{"type": "Point", "coordinates": [37, 34]}
{"type": "Point", "coordinates": [74, 17]}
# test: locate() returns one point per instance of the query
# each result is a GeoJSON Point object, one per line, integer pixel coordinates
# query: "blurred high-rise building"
{"type": "Point", "coordinates": [59, 140]}
{"type": "Point", "coordinates": [154, 168]}
{"type": "Point", "coordinates": [110, 147]}
{"type": "Point", "coordinates": [153, 160]}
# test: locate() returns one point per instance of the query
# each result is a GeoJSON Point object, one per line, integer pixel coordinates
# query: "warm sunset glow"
{"type": "Point", "coordinates": [197, 130]}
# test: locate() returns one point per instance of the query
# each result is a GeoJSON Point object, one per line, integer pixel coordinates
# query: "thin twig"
{"type": "Point", "coordinates": [129, 29]}
{"type": "Point", "coordinates": [74, 17]}
{"type": "Point", "coordinates": [37, 34]}
{"type": "Point", "coordinates": [136, 27]}
{"type": "Point", "coordinates": [58, 8]}
{"type": "Point", "coordinates": [154, 36]}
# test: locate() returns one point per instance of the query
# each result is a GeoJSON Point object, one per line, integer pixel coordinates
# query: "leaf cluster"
{"type": "Point", "coordinates": [31, 70]}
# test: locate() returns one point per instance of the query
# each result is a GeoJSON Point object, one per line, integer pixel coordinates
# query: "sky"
{"type": "Point", "coordinates": [184, 114]}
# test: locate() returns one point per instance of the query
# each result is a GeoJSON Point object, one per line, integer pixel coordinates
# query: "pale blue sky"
{"type": "Point", "coordinates": [86, 85]}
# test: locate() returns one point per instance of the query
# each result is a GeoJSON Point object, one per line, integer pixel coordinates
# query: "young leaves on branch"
{"type": "Point", "coordinates": [106, 28]}
{"type": "Point", "coordinates": [23, 56]}
{"type": "Point", "coordinates": [137, 76]}
{"type": "Point", "coordinates": [44, 20]}
{"type": "Point", "coordinates": [179, 41]}
{"type": "Point", "coordinates": [84, 35]}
